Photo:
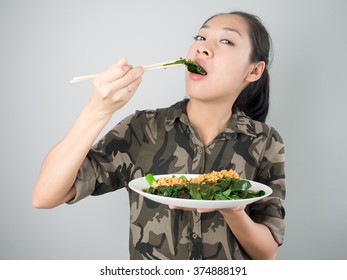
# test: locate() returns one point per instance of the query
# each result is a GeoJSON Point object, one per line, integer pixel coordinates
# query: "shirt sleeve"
{"type": "Point", "coordinates": [85, 181]}
{"type": "Point", "coordinates": [270, 210]}
{"type": "Point", "coordinates": [109, 164]}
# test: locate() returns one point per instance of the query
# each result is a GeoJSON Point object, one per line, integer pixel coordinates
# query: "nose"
{"type": "Point", "coordinates": [201, 51]}
{"type": "Point", "coordinates": [204, 50]}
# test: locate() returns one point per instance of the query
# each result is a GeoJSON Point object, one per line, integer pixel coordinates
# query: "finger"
{"type": "Point", "coordinates": [123, 61]}
{"type": "Point", "coordinates": [123, 64]}
{"type": "Point", "coordinates": [173, 207]}
{"type": "Point", "coordinates": [205, 210]}
{"type": "Point", "coordinates": [235, 209]}
{"type": "Point", "coordinates": [127, 93]}
{"type": "Point", "coordinates": [133, 86]}
{"type": "Point", "coordinates": [114, 72]}
{"type": "Point", "coordinates": [132, 76]}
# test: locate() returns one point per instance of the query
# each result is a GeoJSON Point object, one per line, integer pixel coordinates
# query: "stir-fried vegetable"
{"type": "Point", "coordinates": [192, 66]}
{"type": "Point", "coordinates": [222, 189]}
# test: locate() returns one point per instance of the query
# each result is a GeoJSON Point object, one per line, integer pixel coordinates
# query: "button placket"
{"type": "Point", "coordinates": [198, 160]}
{"type": "Point", "coordinates": [199, 150]}
{"type": "Point", "coordinates": [195, 236]}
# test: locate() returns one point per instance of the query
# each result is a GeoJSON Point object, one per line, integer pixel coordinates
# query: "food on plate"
{"type": "Point", "coordinates": [217, 185]}
{"type": "Point", "coordinates": [192, 66]}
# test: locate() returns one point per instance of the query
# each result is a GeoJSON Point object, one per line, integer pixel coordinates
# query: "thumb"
{"type": "Point", "coordinates": [122, 61]}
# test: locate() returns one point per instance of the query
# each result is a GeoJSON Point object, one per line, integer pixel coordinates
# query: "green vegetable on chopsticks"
{"type": "Point", "coordinates": [192, 66]}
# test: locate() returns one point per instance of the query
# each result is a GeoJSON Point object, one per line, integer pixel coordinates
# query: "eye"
{"type": "Point", "coordinates": [199, 38]}
{"type": "Point", "coordinates": [227, 42]}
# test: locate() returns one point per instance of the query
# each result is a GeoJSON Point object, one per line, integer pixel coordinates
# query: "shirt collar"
{"type": "Point", "coordinates": [239, 122]}
{"type": "Point", "coordinates": [177, 112]}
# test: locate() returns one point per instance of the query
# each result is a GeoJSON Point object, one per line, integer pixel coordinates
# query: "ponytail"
{"type": "Point", "coordinates": [254, 99]}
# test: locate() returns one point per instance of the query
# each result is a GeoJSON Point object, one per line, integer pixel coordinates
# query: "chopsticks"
{"type": "Point", "coordinates": [161, 65]}
{"type": "Point", "coordinates": [156, 66]}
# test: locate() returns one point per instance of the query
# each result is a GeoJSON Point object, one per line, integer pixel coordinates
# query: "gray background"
{"type": "Point", "coordinates": [46, 43]}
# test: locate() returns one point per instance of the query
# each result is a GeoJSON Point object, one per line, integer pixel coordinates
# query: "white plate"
{"type": "Point", "coordinates": [139, 184]}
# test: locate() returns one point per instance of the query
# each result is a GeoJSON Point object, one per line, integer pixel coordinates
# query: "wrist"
{"type": "Point", "coordinates": [235, 217]}
{"type": "Point", "coordinates": [96, 113]}
{"type": "Point", "coordinates": [233, 213]}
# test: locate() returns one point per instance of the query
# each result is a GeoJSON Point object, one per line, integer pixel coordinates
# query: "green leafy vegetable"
{"type": "Point", "coordinates": [192, 66]}
{"type": "Point", "coordinates": [223, 189]}
{"type": "Point", "coordinates": [150, 179]}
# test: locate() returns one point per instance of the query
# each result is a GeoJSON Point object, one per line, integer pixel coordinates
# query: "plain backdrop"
{"type": "Point", "coordinates": [46, 43]}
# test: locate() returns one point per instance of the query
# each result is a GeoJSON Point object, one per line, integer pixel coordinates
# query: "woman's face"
{"type": "Point", "coordinates": [222, 47]}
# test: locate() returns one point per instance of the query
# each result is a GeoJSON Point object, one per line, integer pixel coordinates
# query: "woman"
{"type": "Point", "coordinates": [221, 126]}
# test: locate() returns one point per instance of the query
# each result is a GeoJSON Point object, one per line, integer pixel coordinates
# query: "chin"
{"type": "Point", "coordinates": [201, 96]}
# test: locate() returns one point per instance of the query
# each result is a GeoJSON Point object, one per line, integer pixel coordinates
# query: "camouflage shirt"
{"type": "Point", "coordinates": [163, 141]}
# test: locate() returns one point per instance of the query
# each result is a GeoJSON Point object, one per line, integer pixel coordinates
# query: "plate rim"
{"type": "Point", "coordinates": [196, 203]}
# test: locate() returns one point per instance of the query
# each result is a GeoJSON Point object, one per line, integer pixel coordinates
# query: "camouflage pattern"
{"type": "Point", "coordinates": [162, 141]}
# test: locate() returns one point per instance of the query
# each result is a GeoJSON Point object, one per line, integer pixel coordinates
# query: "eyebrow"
{"type": "Point", "coordinates": [224, 28]}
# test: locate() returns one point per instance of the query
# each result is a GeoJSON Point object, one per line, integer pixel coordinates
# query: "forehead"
{"type": "Point", "coordinates": [230, 21]}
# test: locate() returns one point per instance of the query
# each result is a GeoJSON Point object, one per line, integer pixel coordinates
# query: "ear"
{"type": "Point", "coordinates": [255, 71]}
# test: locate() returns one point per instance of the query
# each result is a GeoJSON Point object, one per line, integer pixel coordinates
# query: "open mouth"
{"type": "Point", "coordinates": [192, 66]}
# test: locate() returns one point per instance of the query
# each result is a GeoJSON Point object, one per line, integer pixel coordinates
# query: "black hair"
{"type": "Point", "coordinates": [254, 99]}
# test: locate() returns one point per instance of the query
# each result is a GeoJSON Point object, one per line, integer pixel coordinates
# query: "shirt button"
{"type": "Point", "coordinates": [194, 235]}
{"type": "Point", "coordinates": [199, 150]}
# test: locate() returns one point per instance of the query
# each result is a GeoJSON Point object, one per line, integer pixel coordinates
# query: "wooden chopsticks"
{"type": "Point", "coordinates": [156, 66]}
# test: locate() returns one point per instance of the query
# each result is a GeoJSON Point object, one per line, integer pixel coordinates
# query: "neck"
{"type": "Point", "coordinates": [208, 118]}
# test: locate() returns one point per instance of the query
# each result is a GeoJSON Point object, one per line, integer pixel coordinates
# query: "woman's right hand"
{"type": "Point", "coordinates": [115, 87]}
